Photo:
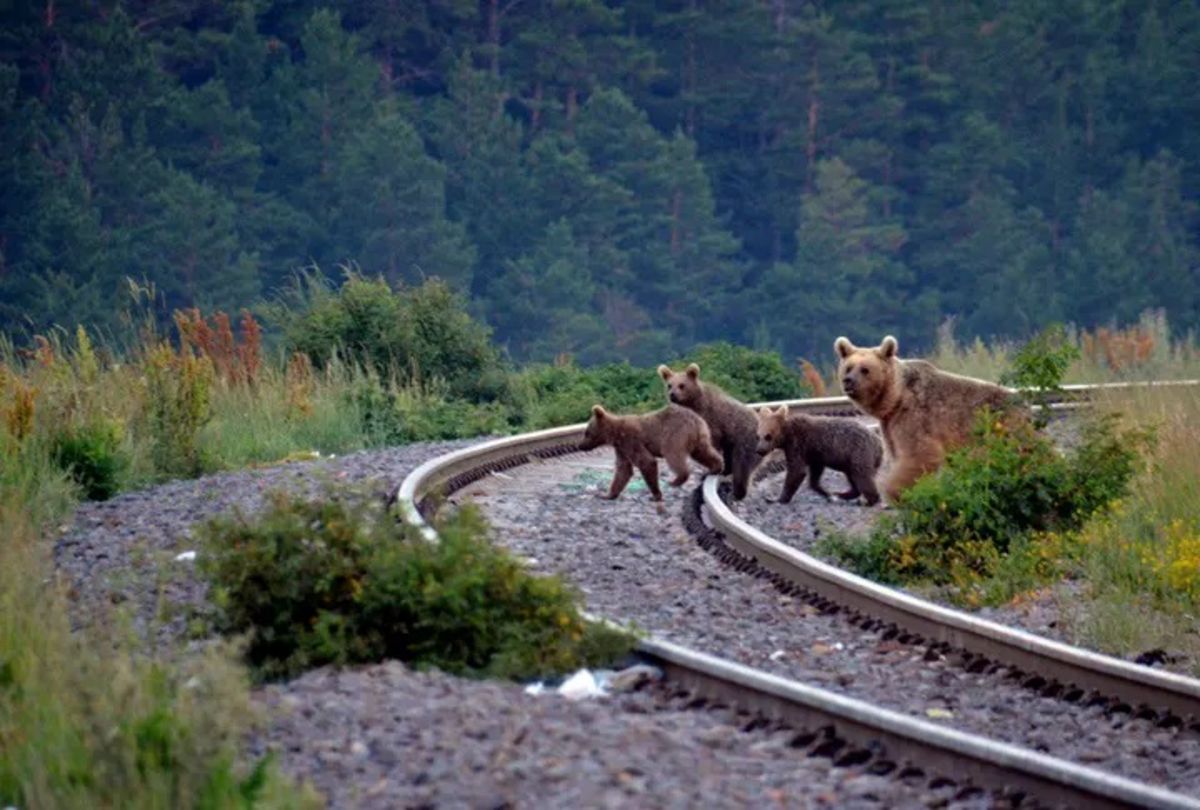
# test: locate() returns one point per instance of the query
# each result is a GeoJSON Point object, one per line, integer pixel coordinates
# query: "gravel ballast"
{"type": "Point", "coordinates": [384, 736]}
{"type": "Point", "coordinates": [635, 563]}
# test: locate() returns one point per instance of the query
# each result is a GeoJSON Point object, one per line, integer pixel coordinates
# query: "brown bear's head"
{"type": "Point", "coordinates": [597, 429]}
{"type": "Point", "coordinates": [770, 428]}
{"type": "Point", "coordinates": [868, 375]}
{"type": "Point", "coordinates": [683, 388]}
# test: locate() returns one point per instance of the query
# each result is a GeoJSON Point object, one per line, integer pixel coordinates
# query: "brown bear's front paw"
{"type": "Point", "coordinates": [604, 496]}
{"type": "Point", "coordinates": [677, 482]}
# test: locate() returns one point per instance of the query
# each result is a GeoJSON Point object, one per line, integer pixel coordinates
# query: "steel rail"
{"type": "Point", "coordinates": [1070, 666]}
{"type": "Point", "coordinates": [937, 749]}
{"type": "Point", "coordinates": [990, 763]}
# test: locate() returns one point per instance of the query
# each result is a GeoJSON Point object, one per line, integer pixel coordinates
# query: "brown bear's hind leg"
{"type": "Point", "coordinates": [814, 480]}
{"type": "Point", "coordinates": [676, 459]}
{"type": "Point", "coordinates": [863, 481]}
{"type": "Point", "coordinates": [621, 476]}
{"type": "Point", "coordinates": [649, 470]}
{"type": "Point", "coordinates": [709, 457]}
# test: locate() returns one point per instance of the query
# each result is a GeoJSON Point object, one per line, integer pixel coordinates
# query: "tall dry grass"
{"type": "Point", "coordinates": [1143, 351]}
{"type": "Point", "coordinates": [1142, 560]}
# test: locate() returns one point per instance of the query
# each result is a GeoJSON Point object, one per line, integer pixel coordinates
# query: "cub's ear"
{"type": "Point", "coordinates": [598, 411]}
{"type": "Point", "coordinates": [889, 347]}
{"type": "Point", "coordinates": [843, 347]}
{"type": "Point", "coordinates": [693, 371]}
{"type": "Point", "coordinates": [782, 411]}
{"type": "Point", "coordinates": [665, 372]}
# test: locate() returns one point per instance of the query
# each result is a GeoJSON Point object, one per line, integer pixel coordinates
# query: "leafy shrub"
{"type": "Point", "coordinates": [1009, 490]}
{"type": "Point", "coordinates": [396, 415]}
{"type": "Point", "coordinates": [749, 375]}
{"type": "Point", "coordinates": [563, 394]}
{"type": "Point", "coordinates": [421, 333]}
{"type": "Point", "coordinates": [177, 405]}
{"type": "Point", "coordinates": [93, 457]}
{"type": "Point", "coordinates": [334, 581]}
{"type": "Point", "coordinates": [1039, 367]}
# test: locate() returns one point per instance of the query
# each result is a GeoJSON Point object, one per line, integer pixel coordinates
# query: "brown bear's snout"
{"type": "Point", "coordinates": [848, 385]}
{"type": "Point", "coordinates": [673, 397]}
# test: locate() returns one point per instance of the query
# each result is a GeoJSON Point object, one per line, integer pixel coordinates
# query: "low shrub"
{"type": "Point", "coordinates": [551, 395]}
{"type": "Point", "coordinates": [337, 581]}
{"type": "Point", "coordinates": [749, 375]}
{"type": "Point", "coordinates": [996, 506]}
{"type": "Point", "coordinates": [1038, 368]}
{"type": "Point", "coordinates": [399, 414]}
{"type": "Point", "coordinates": [92, 455]}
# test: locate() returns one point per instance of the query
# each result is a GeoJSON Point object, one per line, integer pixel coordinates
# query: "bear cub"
{"type": "Point", "coordinates": [812, 443]}
{"type": "Point", "coordinates": [672, 433]}
{"type": "Point", "coordinates": [731, 423]}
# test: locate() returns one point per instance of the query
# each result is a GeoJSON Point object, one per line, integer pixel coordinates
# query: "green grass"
{"type": "Point", "coordinates": [86, 722]}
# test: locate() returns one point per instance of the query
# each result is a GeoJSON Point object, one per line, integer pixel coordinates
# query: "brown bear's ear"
{"type": "Point", "coordinates": [887, 349]}
{"type": "Point", "coordinates": [693, 371]}
{"type": "Point", "coordinates": [665, 372]}
{"type": "Point", "coordinates": [782, 411]}
{"type": "Point", "coordinates": [598, 411]}
{"type": "Point", "coordinates": [843, 347]}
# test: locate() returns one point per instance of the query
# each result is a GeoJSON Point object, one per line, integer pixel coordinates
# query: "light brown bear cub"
{"type": "Point", "coordinates": [733, 425]}
{"type": "Point", "coordinates": [924, 412]}
{"type": "Point", "coordinates": [812, 443]}
{"type": "Point", "coordinates": [671, 433]}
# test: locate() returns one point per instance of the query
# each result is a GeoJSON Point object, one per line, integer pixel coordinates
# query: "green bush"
{"type": "Point", "coordinates": [749, 375]}
{"type": "Point", "coordinates": [336, 582]}
{"type": "Point", "coordinates": [564, 394]}
{"type": "Point", "coordinates": [396, 415]}
{"type": "Point", "coordinates": [91, 454]}
{"type": "Point", "coordinates": [1008, 490]}
{"type": "Point", "coordinates": [421, 334]}
{"type": "Point", "coordinates": [1039, 366]}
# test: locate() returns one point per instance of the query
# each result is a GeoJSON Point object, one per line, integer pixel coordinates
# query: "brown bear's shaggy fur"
{"type": "Point", "coordinates": [671, 433]}
{"type": "Point", "coordinates": [924, 412]}
{"type": "Point", "coordinates": [812, 443]}
{"type": "Point", "coordinates": [733, 425]}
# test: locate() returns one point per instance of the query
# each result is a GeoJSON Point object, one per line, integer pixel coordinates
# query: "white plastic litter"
{"type": "Point", "coordinates": [185, 556]}
{"type": "Point", "coordinates": [775, 656]}
{"type": "Point", "coordinates": [583, 684]}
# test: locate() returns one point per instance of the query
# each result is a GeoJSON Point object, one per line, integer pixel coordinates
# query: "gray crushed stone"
{"type": "Point", "coordinates": [385, 736]}
{"type": "Point", "coordinates": [635, 563]}
{"type": "Point", "coordinates": [120, 555]}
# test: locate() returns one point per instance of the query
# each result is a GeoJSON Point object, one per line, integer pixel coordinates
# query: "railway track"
{"type": "Point", "coordinates": [852, 730]}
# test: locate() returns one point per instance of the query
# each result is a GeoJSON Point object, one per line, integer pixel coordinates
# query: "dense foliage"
{"type": "Point", "coordinates": [999, 508]}
{"type": "Point", "coordinates": [611, 180]}
{"type": "Point", "coordinates": [339, 581]}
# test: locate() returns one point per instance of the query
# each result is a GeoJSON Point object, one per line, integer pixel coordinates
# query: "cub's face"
{"type": "Point", "coordinates": [770, 428]}
{"type": "Point", "coordinates": [683, 388]}
{"type": "Point", "coordinates": [596, 433]}
{"type": "Point", "coordinates": [866, 373]}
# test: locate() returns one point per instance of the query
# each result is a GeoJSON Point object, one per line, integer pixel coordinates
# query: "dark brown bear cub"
{"type": "Point", "coordinates": [731, 423]}
{"type": "Point", "coordinates": [812, 443]}
{"type": "Point", "coordinates": [671, 433]}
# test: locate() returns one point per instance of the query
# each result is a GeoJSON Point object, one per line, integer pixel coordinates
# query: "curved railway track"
{"type": "Point", "coordinates": [851, 730]}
